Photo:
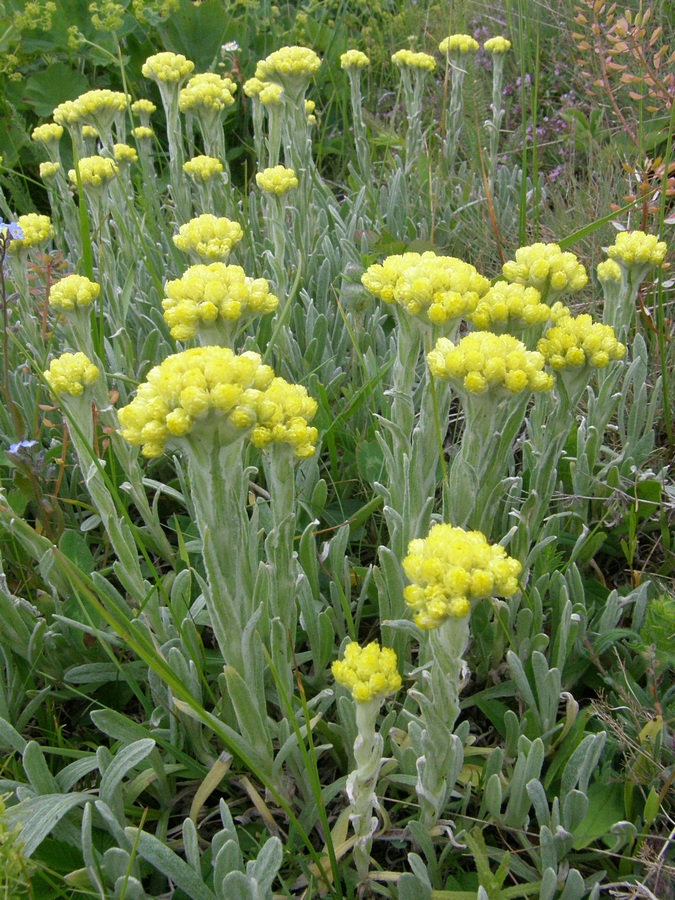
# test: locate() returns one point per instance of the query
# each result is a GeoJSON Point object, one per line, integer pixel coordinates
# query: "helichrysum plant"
{"type": "Point", "coordinates": [457, 49]}
{"type": "Point", "coordinates": [208, 237]}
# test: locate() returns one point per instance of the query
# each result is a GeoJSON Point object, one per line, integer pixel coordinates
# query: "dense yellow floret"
{"type": "Point", "coordinates": [167, 67]}
{"type": "Point", "coordinates": [578, 341]}
{"type": "Point", "coordinates": [277, 180]}
{"type": "Point", "coordinates": [125, 154]}
{"type": "Point", "coordinates": [271, 95]}
{"type": "Point", "coordinates": [410, 60]}
{"type": "Point", "coordinates": [458, 43]}
{"type": "Point", "coordinates": [49, 169]}
{"type": "Point", "coordinates": [143, 133]}
{"type": "Point", "coordinates": [93, 103]}
{"type": "Point", "coordinates": [67, 113]}
{"type": "Point", "coordinates": [210, 387]}
{"type": "Point", "coordinates": [637, 248]}
{"type": "Point", "coordinates": [48, 133]}
{"type": "Point", "coordinates": [514, 303]}
{"type": "Point", "coordinates": [369, 672]}
{"type": "Point", "coordinates": [71, 373]}
{"type": "Point", "coordinates": [452, 568]}
{"type": "Point", "coordinates": [354, 59]}
{"type": "Point", "coordinates": [72, 292]}
{"type": "Point", "coordinates": [546, 266]}
{"type": "Point", "coordinates": [483, 361]}
{"type": "Point", "coordinates": [207, 91]}
{"type": "Point", "coordinates": [95, 171]}
{"type": "Point", "coordinates": [288, 65]}
{"type": "Point", "coordinates": [497, 45]}
{"type": "Point", "coordinates": [203, 168]}
{"type": "Point", "coordinates": [205, 294]}
{"type": "Point", "coordinates": [609, 270]}
{"type": "Point", "coordinates": [143, 107]}
{"type": "Point", "coordinates": [254, 86]}
{"type": "Point", "coordinates": [436, 288]}
{"type": "Point", "coordinates": [37, 229]}
{"type": "Point", "coordinates": [210, 236]}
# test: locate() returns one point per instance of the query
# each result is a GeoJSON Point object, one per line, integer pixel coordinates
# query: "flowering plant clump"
{"type": "Point", "coordinates": [203, 168]}
{"type": "Point", "coordinates": [206, 293]}
{"type": "Point", "coordinates": [48, 133]}
{"type": "Point", "coordinates": [198, 386]}
{"type": "Point", "coordinates": [458, 43]}
{"type": "Point", "coordinates": [73, 292]}
{"type": "Point", "coordinates": [513, 304]}
{"type": "Point", "coordinates": [435, 288]}
{"type": "Point", "coordinates": [277, 180]}
{"type": "Point", "coordinates": [411, 60]}
{"type": "Point", "coordinates": [354, 59]}
{"type": "Point", "coordinates": [483, 361]}
{"type": "Point", "coordinates": [95, 171]}
{"type": "Point", "coordinates": [210, 236]}
{"type": "Point", "coordinates": [451, 569]}
{"type": "Point", "coordinates": [637, 248]}
{"type": "Point", "coordinates": [288, 65]}
{"type": "Point", "coordinates": [207, 91]}
{"type": "Point", "coordinates": [497, 45]}
{"type": "Point", "coordinates": [548, 268]}
{"type": "Point", "coordinates": [369, 672]}
{"type": "Point", "coordinates": [71, 373]}
{"type": "Point", "coordinates": [167, 67]}
{"type": "Point", "coordinates": [37, 229]}
{"type": "Point", "coordinates": [577, 341]}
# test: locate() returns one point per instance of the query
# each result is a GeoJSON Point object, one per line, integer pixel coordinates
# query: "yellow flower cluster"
{"type": "Point", "coordinates": [458, 43]}
{"type": "Point", "coordinates": [271, 94]}
{"type": "Point", "coordinates": [143, 107]}
{"type": "Point", "coordinates": [89, 105]}
{"type": "Point", "coordinates": [143, 133]}
{"type": "Point", "coordinates": [370, 672]}
{"type": "Point", "coordinates": [209, 385]}
{"type": "Point", "coordinates": [70, 374]}
{"type": "Point", "coordinates": [210, 236]}
{"type": "Point", "coordinates": [125, 154]}
{"type": "Point", "coordinates": [277, 180]}
{"type": "Point", "coordinates": [482, 361]}
{"type": "Point", "coordinates": [206, 293]}
{"type": "Point", "coordinates": [49, 133]}
{"type": "Point", "coordinates": [167, 67]}
{"type": "Point", "coordinates": [637, 248]}
{"type": "Point", "coordinates": [578, 341]}
{"type": "Point", "coordinates": [37, 229]}
{"type": "Point", "coordinates": [73, 292]}
{"type": "Point", "coordinates": [438, 288]}
{"type": "Point", "coordinates": [292, 63]}
{"type": "Point", "coordinates": [283, 417]}
{"type": "Point", "coordinates": [450, 569]}
{"type": "Point", "coordinates": [88, 131]}
{"type": "Point", "coordinates": [354, 59]}
{"type": "Point", "coordinates": [497, 45]}
{"type": "Point", "coordinates": [207, 91]}
{"type": "Point", "coordinates": [545, 265]}
{"type": "Point", "coordinates": [515, 303]}
{"type": "Point", "coordinates": [49, 169]}
{"type": "Point", "coordinates": [410, 60]}
{"type": "Point", "coordinates": [95, 171]}
{"type": "Point", "coordinates": [203, 168]}
{"type": "Point", "coordinates": [609, 270]}
{"type": "Point", "coordinates": [254, 86]}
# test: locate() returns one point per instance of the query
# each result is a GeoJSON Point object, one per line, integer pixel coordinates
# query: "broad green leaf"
{"type": "Point", "coordinates": [605, 809]}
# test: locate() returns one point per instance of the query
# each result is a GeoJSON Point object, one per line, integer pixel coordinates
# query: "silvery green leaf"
{"type": "Point", "coordinates": [10, 739]}
{"type": "Point", "coordinates": [116, 863]}
{"type": "Point", "coordinates": [582, 763]}
{"type": "Point", "coordinates": [265, 868]}
{"type": "Point", "coordinates": [537, 795]}
{"type": "Point", "coordinates": [191, 844]}
{"type": "Point", "coordinates": [547, 848]}
{"type": "Point", "coordinates": [625, 833]}
{"type": "Point", "coordinates": [574, 886]}
{"type": "Point", "coordinates": [575, 806]}
{"type": "Point", "coordinates": [236, 886]}
{"type": "Point", "coordinates": [549, 884]}
{"type": "Point", "coordinates": [39, 815]}
{"type": "Point", "coordinates": [75, 771]}
{"type": "Point", "coordinates": [36, 770]}
{"type": "Point", "coordinates": [129, 888]}
{"type": "Point", "coordinates": [113, 825]}
{"type": "Point", "coordinates": [420, 871]}
{"type": "Point", "coordinates": [125, 759]}
{"type": "Point", "coordinates": [91, 856]}
{"type": "Point", "coordinates": [169, 864]}
{"type": "Point", "coordinates": [493, 797]}
{"type": "Point", "coordinates": [410, 888]}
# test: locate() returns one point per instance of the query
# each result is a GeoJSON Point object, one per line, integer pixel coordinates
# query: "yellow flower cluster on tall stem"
{"type": "Point", "coordinates": [547, 268]}
{"type": "Point", "coordinates": [209, 237]}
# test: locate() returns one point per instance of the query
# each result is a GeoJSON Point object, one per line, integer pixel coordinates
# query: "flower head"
{"type": "Point", "coordinates": [435, 288]}
{"type": "Point", "coordinates": [93, 104]}
{"type": "Point", "coordinates": [36, 230]}
{"type": "Point", "coordinates": [483, 361]}
{"type": "Point", "coordinates": [95, 171]}
{"type": "Point", "coordinates": [546, 267]}
{"type": "Point", "coordinates": [70, 374]}
{"type": "Point", "coordinates": [203, 168]}
{"type": "Point", "coordinates": [497, 45]}
{"type": "Point", "coordinates": [450, 569]}
{"type": "Point", "coordinates": [254, 86]}
{"type": "Point", "coordinates": [49, 133]}
{"type": "Point", "coordinates": [143, 133]}
{"type": "Point", "coordinates": [578, 341]}
{"type": "Point", "coordinates": [209, 387]}
{"type": "Point", "coordinates": [408, 59]}
{"type": "Point", "coordinates": [291, 67]}
{"type": "Point", "coordinates": [167, 67]}
{"type": "Point", "coordinates": [637, 248]}
{"type": "Point", "coordinates": [209, 236]}
{"type": "Point", "coordinates": [49, 169]}
{"type": "Point", "coordinates": [609, 271]}
{"type": "Point", "coordinates": [354, 59]}
{"type": "Point", "coordinates": [143, 107]}
{"type": "Point", "coordinates": [125, 154]}
{"type": "Point", "coordinates": [513, 304]}
{"type": "Point", "coordinates": [369, 672]}
{"type": "Point", "coordinates": [458, 43]}
{"type": "Point", "coordinates": [206, 294]}
{"type": "Point", "coordinates": [207, 92]}
{"type": "Point", "coordinates": [277, 180]}
{"type": "Point", "coordinates": [73, 292]}
{"type": "Point", "coordinates": [272, 94]}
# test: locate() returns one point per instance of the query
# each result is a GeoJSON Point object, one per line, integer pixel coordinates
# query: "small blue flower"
{"type": "Point", "coordinates": [12, 230]}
